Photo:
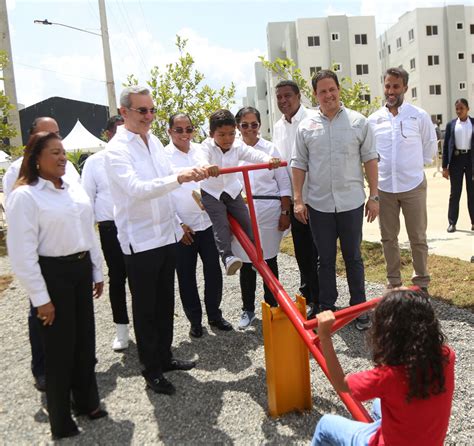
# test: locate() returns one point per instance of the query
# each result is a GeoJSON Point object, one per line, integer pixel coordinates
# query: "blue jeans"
{"type": "Point", "coordinates": [333, 430]}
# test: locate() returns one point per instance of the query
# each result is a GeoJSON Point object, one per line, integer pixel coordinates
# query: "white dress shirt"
{"type": "Point", "coordinates": [271, 183]}
{"type": "Point", "coordinates": [284, 134]}
{"type": "Point", "coordinates": [188, 210]}
{"type": "Point", "coordinates": [11, 175]}
{"type": "Point", "coordinates": [213, 154]}
{"type": "Point", "coordinates": [405, 143]}
{"type": "Point", "coordinates": [95, 182]}
{"type": "Point", "coordinates": [45, 221]}
{"type": "Point", "coordinates": [463, 134]}
{"type": "Point", "coordinates": [141, 179]}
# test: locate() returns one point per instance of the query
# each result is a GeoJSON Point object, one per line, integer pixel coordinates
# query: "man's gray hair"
{"type": "Point", "coordinates": [125, 100]}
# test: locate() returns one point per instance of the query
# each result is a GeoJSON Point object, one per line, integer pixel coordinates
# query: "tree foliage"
{"type": "Point", "coordinates": [6, 129]}
{"type": "Point", "coordinates": [352, 93]}
{"type": "Point", "coordinates": [179, 88]}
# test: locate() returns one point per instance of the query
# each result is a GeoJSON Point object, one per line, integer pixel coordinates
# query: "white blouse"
{"type": "Point", "coordinates": [45, 221]}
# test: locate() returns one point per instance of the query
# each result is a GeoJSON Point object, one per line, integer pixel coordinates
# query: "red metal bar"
{"type": "Point", "coordinates": [303, 327]}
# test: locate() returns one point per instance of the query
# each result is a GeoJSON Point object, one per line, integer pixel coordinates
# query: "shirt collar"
{"type": "Point", "coordinates": [401, 108]}
{"type": "Point", "coordinates": [129, 136]}
{"type": "Point", "coordinates": [297, 117]}
{"type": "Point", "coordinates": [42, 184]}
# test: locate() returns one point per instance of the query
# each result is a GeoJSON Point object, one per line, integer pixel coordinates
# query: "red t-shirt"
{"type": "Point", "coordinates": [417, 423]}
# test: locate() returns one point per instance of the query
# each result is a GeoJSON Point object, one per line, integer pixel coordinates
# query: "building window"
{"type": "Point", "coordinates": [461, 55]}
{"type": "Point", "coordinates": [362, 69]}
{"type": "Point", "coordinates": [462, 85]}
{"type": "Point", "coordinates": [437, 118]}
{"type": "Point", "coordinates": [432, 30]}
{"type": "Point", "coordinates": [399, 43]}
{"type": "Point", "coordinates": [313, 41]}
{"type": "Point", "coordinates": [412, 64]}
{"type": "Point", "coordinates": [435, 89]}
{"type": "Point", "coordinates": [365, 97]}
{"type": "Point", "coordinates": [413, 93]}
{"type": "Point", "coordinates": [411, 35]}
{"type": "Point", "coordinates": [389, 50]}
{"type": "Point", "coordinates": [433, 60]}
{"type": "Point", "coordinates": [472, 28]}
{"type": "Point", "coordinates": [314, 70]}
{"type": "Point", "coordinates": [459, 26]}
{"type": "Point", "coordinates": [472, 58]}
{"type": "Point", "coordinates": [335, 37]}
{"type": "Point", "coordinates": [361, 39]}
{"type": "Point", "coordinates": [337, 67]}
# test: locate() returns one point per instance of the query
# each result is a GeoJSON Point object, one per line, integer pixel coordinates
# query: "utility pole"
{"type": "Point", "coordinates": [109, 76]}
{"type": "Point", "coordinates": [9, 75]}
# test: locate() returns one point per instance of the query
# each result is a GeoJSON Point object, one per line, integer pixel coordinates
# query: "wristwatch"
{"type": "Point", "coordinates": [285, 212]}
{"type": "Point", "coordinates": [374, 198]}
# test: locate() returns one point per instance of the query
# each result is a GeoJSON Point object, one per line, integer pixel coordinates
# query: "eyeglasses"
{"type": "Point", "coordinates": [144, 110]}
{"type": "Point", "coordinates": [401, 129]}
{"type": "Point", "coordinates": [180, 130]}
{"type": "Point", "coordinates": [246, 125]}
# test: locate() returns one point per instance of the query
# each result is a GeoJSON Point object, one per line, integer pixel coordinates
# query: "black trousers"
{"type": "Point", "coordinates": [327, 227]}
{"type": "Point", "coordinates": [459, 167]}
{"type": "Point", "coordinates": [36, 343]}
{"type": "Point", "coordinates": [117, 273]}
{"type": "Point", "coordinates": [187, 256]}
{"type": "Point", "coordinates": [69, 343]}
{"type": "Point", "coordinates": [306, 254]}
{"type": "Point", "coordinates": [248, 285]}
{"type": "Point", "coordinates": [151, 280]}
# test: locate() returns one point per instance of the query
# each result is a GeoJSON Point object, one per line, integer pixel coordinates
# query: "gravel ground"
{"type": "Point", "coordinates": [222, 401]}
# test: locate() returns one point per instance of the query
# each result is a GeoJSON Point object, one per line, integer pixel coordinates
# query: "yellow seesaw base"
{"type": "Point", "coordinates": [287, 362]}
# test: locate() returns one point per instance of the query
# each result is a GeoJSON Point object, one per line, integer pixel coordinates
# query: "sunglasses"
{"type": "Point", "coordinates": [246, 125]}
{"type": "Point", "coordinates": [144, 110]}
{"type": "Point", "coordinates": [180, 130]}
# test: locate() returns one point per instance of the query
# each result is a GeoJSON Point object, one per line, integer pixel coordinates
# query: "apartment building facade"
{"type": "Point", "coordinates": [436, 47]}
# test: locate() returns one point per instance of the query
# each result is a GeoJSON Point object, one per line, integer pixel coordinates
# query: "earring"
{"type": "Point", "coordinates": [37, 166]}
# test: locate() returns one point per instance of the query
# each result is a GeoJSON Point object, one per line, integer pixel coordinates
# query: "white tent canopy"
{"type": "Point", "coordinates": [81, 139]}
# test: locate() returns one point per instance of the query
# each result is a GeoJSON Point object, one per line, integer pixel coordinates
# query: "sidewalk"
{"type": "Point", "coordinates": [460, 244]}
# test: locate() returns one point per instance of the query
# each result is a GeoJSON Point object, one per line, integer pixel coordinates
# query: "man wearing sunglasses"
{"type": "Point", "coordinates": [405, 140]}
{"type": "Point", "coordinates": [141, 181]}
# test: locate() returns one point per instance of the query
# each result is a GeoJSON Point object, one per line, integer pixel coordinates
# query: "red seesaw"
{"type": "Point", "coordinates": [304, 328]}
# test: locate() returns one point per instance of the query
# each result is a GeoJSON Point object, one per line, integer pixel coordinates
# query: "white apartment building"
{"type": "Point", "coordinates": [436, 47]}
{"type": "Point", "coordinates": [315, 44]}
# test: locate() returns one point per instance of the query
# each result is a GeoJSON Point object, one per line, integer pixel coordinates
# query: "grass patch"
{"type": "Point", "coordinates": [452, 280]}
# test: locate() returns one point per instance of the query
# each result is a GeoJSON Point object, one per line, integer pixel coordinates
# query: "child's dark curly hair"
{"type": "Point", "coordinates": [406, 332]}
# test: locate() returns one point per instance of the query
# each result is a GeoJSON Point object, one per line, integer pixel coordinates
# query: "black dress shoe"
{"type": "Point", "coordinates": [160, 385]}
{"type": "Point", "coordinates": [221, 324]}
{"type": "Point", "coordinates": [451, 228]}
{"type": "Point", "coordinates": [312, 311]}
{"type": "Point", "coordinates": [66, 435]}
{"type": "Point", "coordinates": [195, 331]}
{"type": "Point", "coordinates": [179, 364]}
{"type": "Point", "coordinates": [40, 383]}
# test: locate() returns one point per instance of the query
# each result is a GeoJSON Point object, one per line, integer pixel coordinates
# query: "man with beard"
{"type": "Point", "coordinates": [405, 140]}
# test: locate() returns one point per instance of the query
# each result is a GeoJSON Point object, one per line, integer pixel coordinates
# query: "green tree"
{"type": "Point", "coordinates": [180, 88]}
{"type": "Point", "coordinates": [352, 93]}
{"type": "Point", "coordinates": [6, 130]}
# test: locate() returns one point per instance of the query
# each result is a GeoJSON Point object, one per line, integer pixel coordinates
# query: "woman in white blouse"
{"type": "Point", "coordinates": [54, 253]}
{"type": "Point", "coordinates": [271, 190]}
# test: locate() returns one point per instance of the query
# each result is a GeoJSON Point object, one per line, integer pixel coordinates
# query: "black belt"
{"type": "Point", "coordinates": [266, 197]}
{"type": "Point", "coordinates": [70, 258]}
{"type": "Point", "coordinates": [106, 224]}
{"type": "Point", "coordinates": [461, 152]}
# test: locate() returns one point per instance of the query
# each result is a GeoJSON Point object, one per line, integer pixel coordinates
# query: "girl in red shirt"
{"type": "Point", "coordinates": [412, 381]}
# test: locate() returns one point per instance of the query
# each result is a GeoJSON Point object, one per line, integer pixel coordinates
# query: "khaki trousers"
{"type": "Point", "coordinates": [413, 205]}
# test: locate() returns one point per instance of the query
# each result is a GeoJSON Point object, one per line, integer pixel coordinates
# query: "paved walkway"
{"type": "Point", "coordinates": [459, 244]}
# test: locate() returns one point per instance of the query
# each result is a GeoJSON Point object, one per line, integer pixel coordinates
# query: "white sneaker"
{"type": "Point", "coordinates": [246, 319]}
{"type": "Point", "coordinates": [121, 340]}
{"type": "Point", "coordinates": [232, 265]}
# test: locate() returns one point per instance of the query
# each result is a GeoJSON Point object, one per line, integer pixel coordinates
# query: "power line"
{"type": "Point", "coordinates": [59, 72]}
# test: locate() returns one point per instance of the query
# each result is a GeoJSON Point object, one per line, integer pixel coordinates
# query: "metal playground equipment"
{"type": "Point", "coordinates": [295, 315]}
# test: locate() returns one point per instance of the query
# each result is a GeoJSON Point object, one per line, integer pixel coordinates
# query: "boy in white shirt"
{"type": "Point", "coordinates": [221, 194]}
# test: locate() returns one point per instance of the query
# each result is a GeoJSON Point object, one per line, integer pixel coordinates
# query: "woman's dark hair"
{"type": "Point", "coordinates": [324, 74]}
{"type": "Point", "coordinates": [245, 111]}
{"type": "Point", "coordinates": [220, 118]}
{"type": "Point", "coordinates": [178, 115]}
{"type": "Point", "coordinates": [406, 332]}
{"type": "Point", "coordinates": [28, 171]}
{"type": "Point", "coordinates": [462, 101]}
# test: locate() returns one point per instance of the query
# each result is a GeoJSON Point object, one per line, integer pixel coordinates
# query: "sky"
{"type": "Point", "coordinates": [224, 37]}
